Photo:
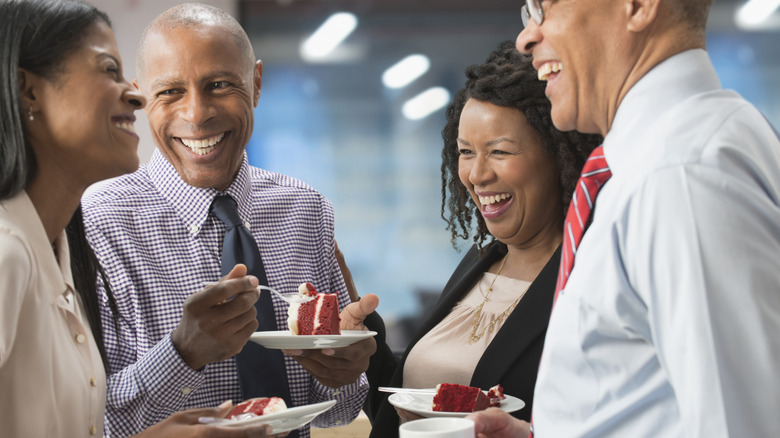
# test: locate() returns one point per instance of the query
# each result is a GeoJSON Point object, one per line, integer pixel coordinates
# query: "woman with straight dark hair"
{"type": "Point", "coordinates": [66, 122]}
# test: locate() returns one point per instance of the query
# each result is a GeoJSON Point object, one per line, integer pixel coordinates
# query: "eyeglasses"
{"type": "Point", "coordinates": [532, 10]}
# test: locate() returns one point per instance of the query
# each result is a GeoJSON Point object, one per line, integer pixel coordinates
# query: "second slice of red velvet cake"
{"type": "Point", "coordinates": [451, 397]}
{"type": "Point", "coordinates": [319, 316]}
{"type": "Point", "coordinates": [258, 406]}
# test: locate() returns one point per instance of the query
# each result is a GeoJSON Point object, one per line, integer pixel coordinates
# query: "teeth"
{"type": "Point", "coordinates": [203, 147]}
{"type": "Point", "coordinates": [127, 126]}
{"type": "Point", "coordinates": [550, 67]}
{"type": "Point", "coordinates": [487, 200]}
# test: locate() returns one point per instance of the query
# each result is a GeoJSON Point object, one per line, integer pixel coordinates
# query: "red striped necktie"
{"type": "Point", "coordinates": [594, 174]}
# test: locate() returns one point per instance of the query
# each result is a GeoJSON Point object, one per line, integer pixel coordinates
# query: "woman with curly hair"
{"type": "Point", "coordinates": [507, 178]}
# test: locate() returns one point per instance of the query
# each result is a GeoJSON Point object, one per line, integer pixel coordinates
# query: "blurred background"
{"type": "Point", "coordinates": [372, 146]}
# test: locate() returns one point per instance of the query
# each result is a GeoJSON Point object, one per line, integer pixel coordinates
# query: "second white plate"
{"type": "Point", "coordinates": [421, 404]}
{"type": "Point", "coordinates": [285, 339]}
{"type": "Point", "coordinates": [287, 420]}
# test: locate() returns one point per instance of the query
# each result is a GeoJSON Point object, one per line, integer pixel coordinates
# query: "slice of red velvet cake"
{"type": "Point", "coordinates": [451, 397]}
{"type": "Point", "coordinates": [319, 316]}
{"type": "Point", "coordinates": [257, 406]}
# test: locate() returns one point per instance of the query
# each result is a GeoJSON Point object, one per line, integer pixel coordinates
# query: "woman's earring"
{"type": "Point", "coordinates": [30, 116]}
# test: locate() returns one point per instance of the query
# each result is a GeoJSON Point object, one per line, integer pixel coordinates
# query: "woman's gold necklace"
{"type": "Point", "coordinates": [494, 320]}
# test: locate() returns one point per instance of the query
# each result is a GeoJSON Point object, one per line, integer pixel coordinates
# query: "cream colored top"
{"type": "Point", "coordinates": [52, 382]}
{"type": "Point", "coordinates": [444, 354]}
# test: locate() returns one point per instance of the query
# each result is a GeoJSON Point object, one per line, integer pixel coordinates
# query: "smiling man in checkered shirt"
{"type": "Point", "coordinates": [170, 345]}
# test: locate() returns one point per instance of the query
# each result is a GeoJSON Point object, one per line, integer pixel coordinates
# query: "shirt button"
{"type": "Point", "coordinates": [80, 338]}
{"type": "Point", "coordinates": [186, 390]}
{"type": "Point", "coordinates": [248, 227]}
{"type": "Point", "coordinates": [193, 229]}
{"type": "Point", "coordinates": [92, 382]}
{"type": "Point", "coordinates": [92, 430]}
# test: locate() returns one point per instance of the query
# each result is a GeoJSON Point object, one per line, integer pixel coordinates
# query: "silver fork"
{"type": "Point", "coordinates": [292, 298]}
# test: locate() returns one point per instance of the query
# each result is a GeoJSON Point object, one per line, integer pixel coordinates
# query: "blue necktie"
{"type": "Point", "coordinates": [261, 371]}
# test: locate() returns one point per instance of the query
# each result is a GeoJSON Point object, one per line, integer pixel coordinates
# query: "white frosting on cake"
{"type": "Point", "coordinates": [320, 302]}
{"type": "Point", "coordinates": [292, 311]}
{"type": "Point", "coordinates": [292, 317]}
{"type": "Point", "coordinates": [275, 405]}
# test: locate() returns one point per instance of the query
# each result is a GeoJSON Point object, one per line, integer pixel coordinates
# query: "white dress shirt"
{"type": "Point", "coordinates": [52, 382]}
{"type": "Point", "coordinates": [669, 325]}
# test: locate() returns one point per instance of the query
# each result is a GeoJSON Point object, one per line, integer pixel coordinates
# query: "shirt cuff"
{"type": "Point", "coordinates": [349, 402]}
{"type": "Point", "coordinates": [166, 378]}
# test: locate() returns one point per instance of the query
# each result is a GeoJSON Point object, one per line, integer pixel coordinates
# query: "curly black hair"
{"type": "Point", "coordinates": [508, 79]}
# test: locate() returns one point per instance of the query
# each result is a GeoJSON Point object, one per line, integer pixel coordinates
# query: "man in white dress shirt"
{"type": "Point", "coordinates": [669, 325]}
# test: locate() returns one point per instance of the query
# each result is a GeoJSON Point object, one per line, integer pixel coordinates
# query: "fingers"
{"type": "Point", "coordinates": [191, 416]}
{"type": "Point", "coordinates": [239, 327]}
{"type": "Point", "coordinates": [335, 356]}
{"type": "Point", "coordinates": [229, 319]}
{"type": "Point", "coordinates": [221, 293]}
{"type": "Point", "coordinates": [494, 422]}
{"type": "Point", "coordinates": [354, 314]}
{"type": "Point", "coordinates": [359, 350]}
{"type": "Point", "coordinates": [237, 307]}
{"type": "Point", "coordinates": [223, 409]}
{"type": "Point", "coordinates": [254, 431]}
{"type": "Point", "coordinates": [330, 377]}
{"type": "Point", "coordinates": [336, 367]}
{"type": "Point", "coordinates": [405, 415]}
{"type": "Point", "coordinates": [368, 304]}
{"type": "Point", "coordinates": [218, 320]}
{"type": "Point", "coordinates": [238, 271]}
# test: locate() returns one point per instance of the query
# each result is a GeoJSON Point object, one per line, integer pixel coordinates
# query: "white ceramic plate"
{"type": "Point", "coordinates": [421, 404]}
{"type": "Point", "coordinates": [284, 339]}
{"type": "Point", "coordinates": [287, 420]}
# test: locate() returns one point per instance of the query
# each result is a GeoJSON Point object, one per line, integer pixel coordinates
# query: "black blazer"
{"type": "Point", "coordinates": [511, 359]}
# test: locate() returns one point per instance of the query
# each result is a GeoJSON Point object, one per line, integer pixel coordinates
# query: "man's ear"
{"type": "Point", "coordinates": [641, 13]}
{"type": "Point", "coordinates": [258, 80]}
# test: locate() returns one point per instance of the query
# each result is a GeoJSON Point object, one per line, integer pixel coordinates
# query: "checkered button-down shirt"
{"type": "Point", "coordinates": [154, 235]}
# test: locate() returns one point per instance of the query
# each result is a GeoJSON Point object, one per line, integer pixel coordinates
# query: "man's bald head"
{"type": "Point", "coordinates": [195, 16]}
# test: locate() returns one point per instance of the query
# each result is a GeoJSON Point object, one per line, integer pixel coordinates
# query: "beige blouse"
{"type": "Point", "coordinates": [52, 382]}
{"type": "Point", "coordinates": [444, 354]}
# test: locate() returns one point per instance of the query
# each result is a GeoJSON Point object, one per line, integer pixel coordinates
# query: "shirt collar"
{"type": "Point", "coordinates": [192, 204]}
{"type": "Point", "coordinates": [63, 253]}
{"type": "Point", "coordinates": [664, 86]}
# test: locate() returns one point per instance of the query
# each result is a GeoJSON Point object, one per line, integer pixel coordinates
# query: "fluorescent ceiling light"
{"type": "Point", "coordinates": [425, 103]}
{"type": "Point", "coordinates": [405, 71]}
{"type": "Point", "coordinates": [329, 35]}
{"type": "Point", "coordinates": [754, 12]}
